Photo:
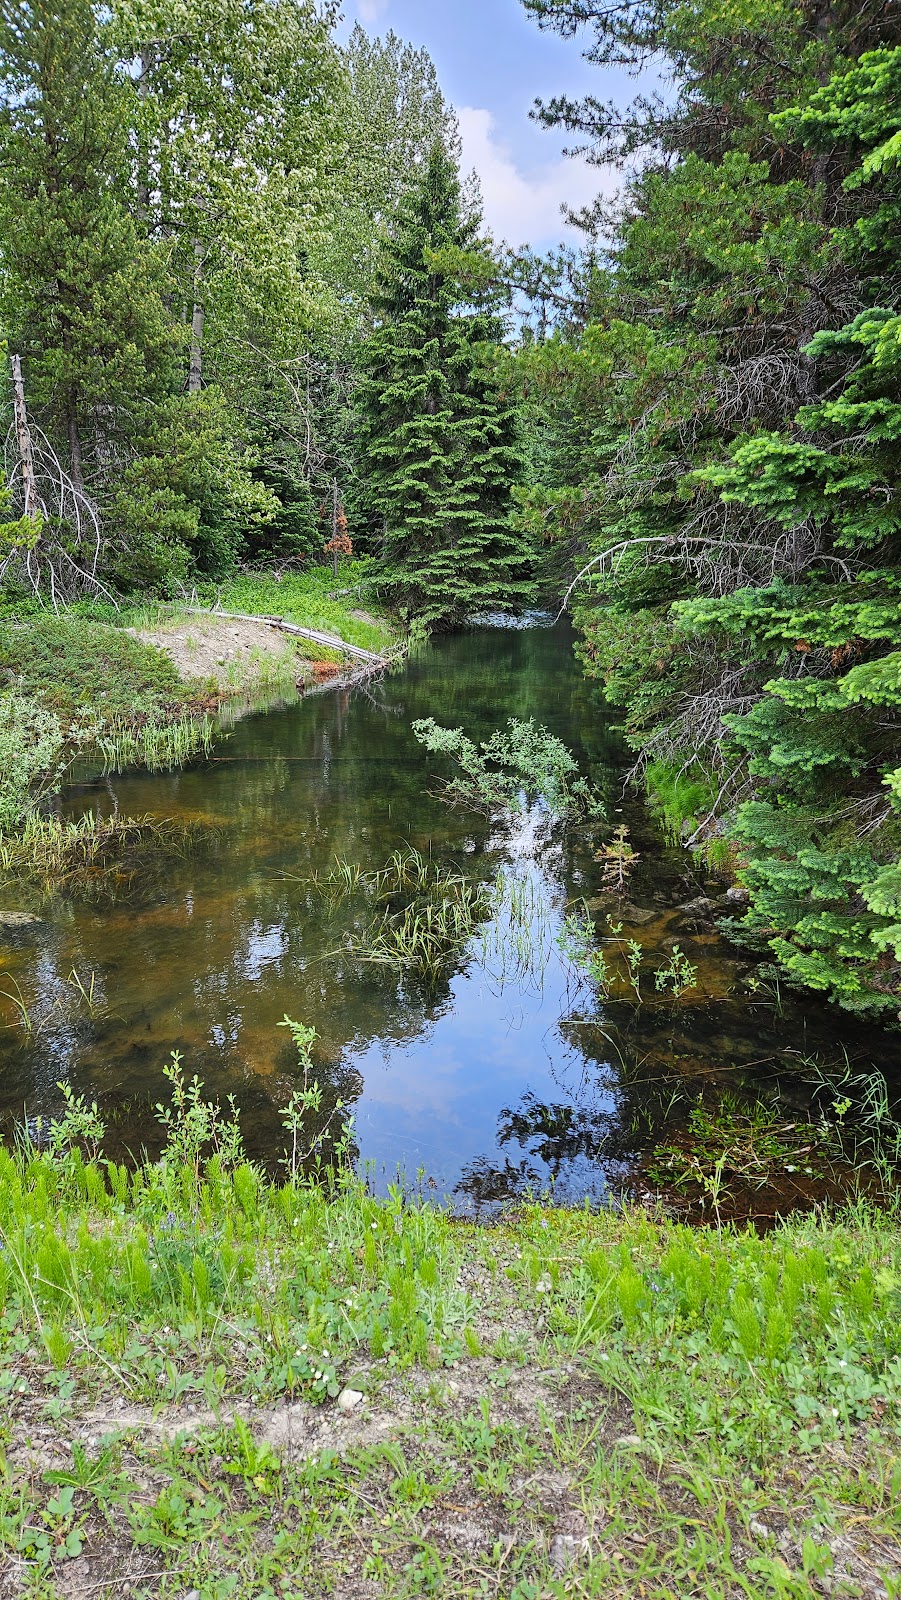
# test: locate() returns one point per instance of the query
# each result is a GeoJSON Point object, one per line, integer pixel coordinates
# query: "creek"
{"type": "Point", "coordinates": [511, 1075]}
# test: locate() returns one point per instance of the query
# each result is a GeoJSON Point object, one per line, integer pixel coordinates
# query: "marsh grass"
{"type": "Point", "coordinates": [157, 746]}
{"type": "Point", "coordinates": [431, 917]}
{"type": "Point", "coordinates": [96, 858]}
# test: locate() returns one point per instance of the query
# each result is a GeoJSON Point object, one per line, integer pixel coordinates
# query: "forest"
{"type": "Point", "coordinates": [255, 317]}
{"type": "Point", "coordinates": [450, 774]}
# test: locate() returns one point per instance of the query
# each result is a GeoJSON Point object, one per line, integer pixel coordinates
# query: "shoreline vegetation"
{"type": "Point", "coordinates": [146, 686]}
{"type": "Point", "coordinates": [222, 1384]}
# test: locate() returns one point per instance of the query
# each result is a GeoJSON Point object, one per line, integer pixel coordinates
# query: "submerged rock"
{"type": "Point", "coordinates": [703, 906]}
{"type": "Point", "coordinates": [18, 919]}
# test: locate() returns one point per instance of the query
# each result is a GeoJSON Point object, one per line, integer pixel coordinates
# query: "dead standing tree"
{"type": "Point", "coordinates": [58, 551]}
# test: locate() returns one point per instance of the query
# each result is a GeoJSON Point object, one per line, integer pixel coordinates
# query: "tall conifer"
{"type": "Point", "coordinates": [79, 291]}
{"type": "Point", "coordinates": [438, 435]}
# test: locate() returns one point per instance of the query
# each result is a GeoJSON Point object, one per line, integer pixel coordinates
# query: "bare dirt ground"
{"type": "Point", "coordinates": [236, 656]}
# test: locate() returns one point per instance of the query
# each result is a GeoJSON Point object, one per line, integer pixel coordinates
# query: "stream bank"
{"type": "Point", "coordinates": [222, 1387]}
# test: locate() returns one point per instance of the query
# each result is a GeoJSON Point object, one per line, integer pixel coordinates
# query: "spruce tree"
{"type": "Point", "coordinates": [79, 291]}
{"type": "Point", "coordinates": [438, 435]}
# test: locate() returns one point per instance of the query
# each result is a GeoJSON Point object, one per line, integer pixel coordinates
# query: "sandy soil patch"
{"type": "Point", "coordinates": [235, 655]}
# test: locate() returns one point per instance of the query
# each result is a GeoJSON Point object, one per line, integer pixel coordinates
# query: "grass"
{"type": "Point", "coordinates": [71, 664]}
{"type": "Point", "coordinates": [306, 598]}
{"type": "Point", "coordinates": [566, 1404]}
{"type": "Point", "coordinates": [95, 858]}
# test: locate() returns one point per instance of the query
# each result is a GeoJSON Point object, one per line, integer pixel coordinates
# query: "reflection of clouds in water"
{"type": "Point", "coordinates": [264, 948]}
{"type": "Point", "coordinates": [236, 938]}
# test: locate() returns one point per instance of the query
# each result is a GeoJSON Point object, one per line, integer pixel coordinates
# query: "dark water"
{"type": "Point", "coordinates": [511, 1075]}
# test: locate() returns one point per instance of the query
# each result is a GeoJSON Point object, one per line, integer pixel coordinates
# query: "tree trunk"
{"type": "Point", "coordinates": [195, 370]}
{"type": "Point", "coordinates": [335, 526]}
{"type": "Point", "coordinates": [76, 469]}
{"type": "Point", "coordinates": [146, 59]}
{"type": "Point", "coordinates": [23, 441]}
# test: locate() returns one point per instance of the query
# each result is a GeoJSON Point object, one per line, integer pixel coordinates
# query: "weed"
{"type": "Point", "coordinates": [516, 767]}
{"type": "Point", "coordinates": [678, 975]}
{"type": "Point", "coordinates": [96, 858]}
{"type": "Point", "coordinates": [618, 858]}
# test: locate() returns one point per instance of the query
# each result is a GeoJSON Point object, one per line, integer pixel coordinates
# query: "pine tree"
{"type": "Point", "coordinates": [80, 293]}
{"type": "Point", "coordinates": [438, 434]}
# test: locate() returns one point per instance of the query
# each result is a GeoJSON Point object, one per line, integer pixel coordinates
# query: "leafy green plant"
{"type": "Point", "coordinates": [678, 975]}
{"type": "Point", "coordinates": [302, 1117]}
{"type": "Point", "coordinates": [196, 1127]}
{"type": "Point", "coordinates": [515, 767]}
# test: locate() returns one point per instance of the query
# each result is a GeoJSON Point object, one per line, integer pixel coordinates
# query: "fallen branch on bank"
{"type": "Point", "coordinates": [328, 640]}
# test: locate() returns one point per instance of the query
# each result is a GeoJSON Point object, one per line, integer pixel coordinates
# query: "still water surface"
{"type": "Point", "coordinates": [496, 1083]}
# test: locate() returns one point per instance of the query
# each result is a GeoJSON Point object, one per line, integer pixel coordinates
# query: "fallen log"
{"type": "Point", "coordinates": [330, 641]}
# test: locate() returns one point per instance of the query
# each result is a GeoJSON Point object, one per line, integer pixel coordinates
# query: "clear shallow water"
{"type": "Point", "coordinates": [495, 1082]}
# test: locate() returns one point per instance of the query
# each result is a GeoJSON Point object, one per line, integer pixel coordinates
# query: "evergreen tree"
{"type": "Point", "coordinates": [724, 462]}
{"type": "Point", "coordinates": [438, 432]}
{"type": "Point", "coordinates": [80, 291]}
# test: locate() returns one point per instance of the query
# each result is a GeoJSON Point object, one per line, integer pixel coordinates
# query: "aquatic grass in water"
{"type": "Point", "coordinates": [446, 910]}
{"type": "Point", "coordinates": [577, 941]}
{"type": "Point", "coordinates": [95, 857]}
{"type": "Point", "coordinates": [158, 746]}
{"type": "Point", "coordinates": [427, 936]}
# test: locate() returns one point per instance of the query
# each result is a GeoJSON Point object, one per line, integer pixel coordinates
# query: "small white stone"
{"type": "Point", "coordinates": [759, 1529]}
{"type": "Point", "coordinates": [630, 1439]}
{"type": "Point", "coordinates": [349, 1399]}
{"type": "Point", "coordinates": [543, 1286]}
{"type": "Point", "coordinates": [193, 1594]}
{"type": "Point", "coordinates": [567, 1549]}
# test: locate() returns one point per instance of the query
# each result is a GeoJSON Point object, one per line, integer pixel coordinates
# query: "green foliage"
{"type": "Point", "coordinates": [517, 766]}
{"type": "Point", "coordinates": [69, 663]}
{"type": "Point", "coordinates": [723, 455]}
{"type": "Point", "coordinates": [36, 750]}
{"type": "Point", "coordinates": [99, 346]}
{"type": "Point", "coordinates": [438, 433]}
{"type": "Point", "coordinates": [188, 501]}
{"type": "Point", "coordinates": [309, 599]}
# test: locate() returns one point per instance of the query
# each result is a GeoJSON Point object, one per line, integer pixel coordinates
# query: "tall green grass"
{"type": "Point", "coordinates": [311, 599]}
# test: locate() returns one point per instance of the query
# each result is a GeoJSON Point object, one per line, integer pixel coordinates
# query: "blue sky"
{"type": "Point", "coordinates": [493, 61]}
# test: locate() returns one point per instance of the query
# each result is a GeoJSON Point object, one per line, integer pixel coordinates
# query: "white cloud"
{"type": "Point", "coordinates": [525, 207]}
{"type": "Point", "coordinates": [370, 10]}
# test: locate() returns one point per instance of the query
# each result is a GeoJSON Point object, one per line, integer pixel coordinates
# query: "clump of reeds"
{"type": "Point", "coordinates": [425, 937]}
{"type": "Point", "coordinates": [94, 857]}
{"type": "Point", "coordinates": [423, 917]}
{"type": "Point", "coordinates": [157, 746]}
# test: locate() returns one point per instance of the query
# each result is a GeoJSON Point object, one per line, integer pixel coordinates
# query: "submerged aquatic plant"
{"type": "Point", "coordinates": [158, 746]}
{"type": "Point", "coordinates": [578, 944]}
{"type": "Point", "coordinates": [426, 936]}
